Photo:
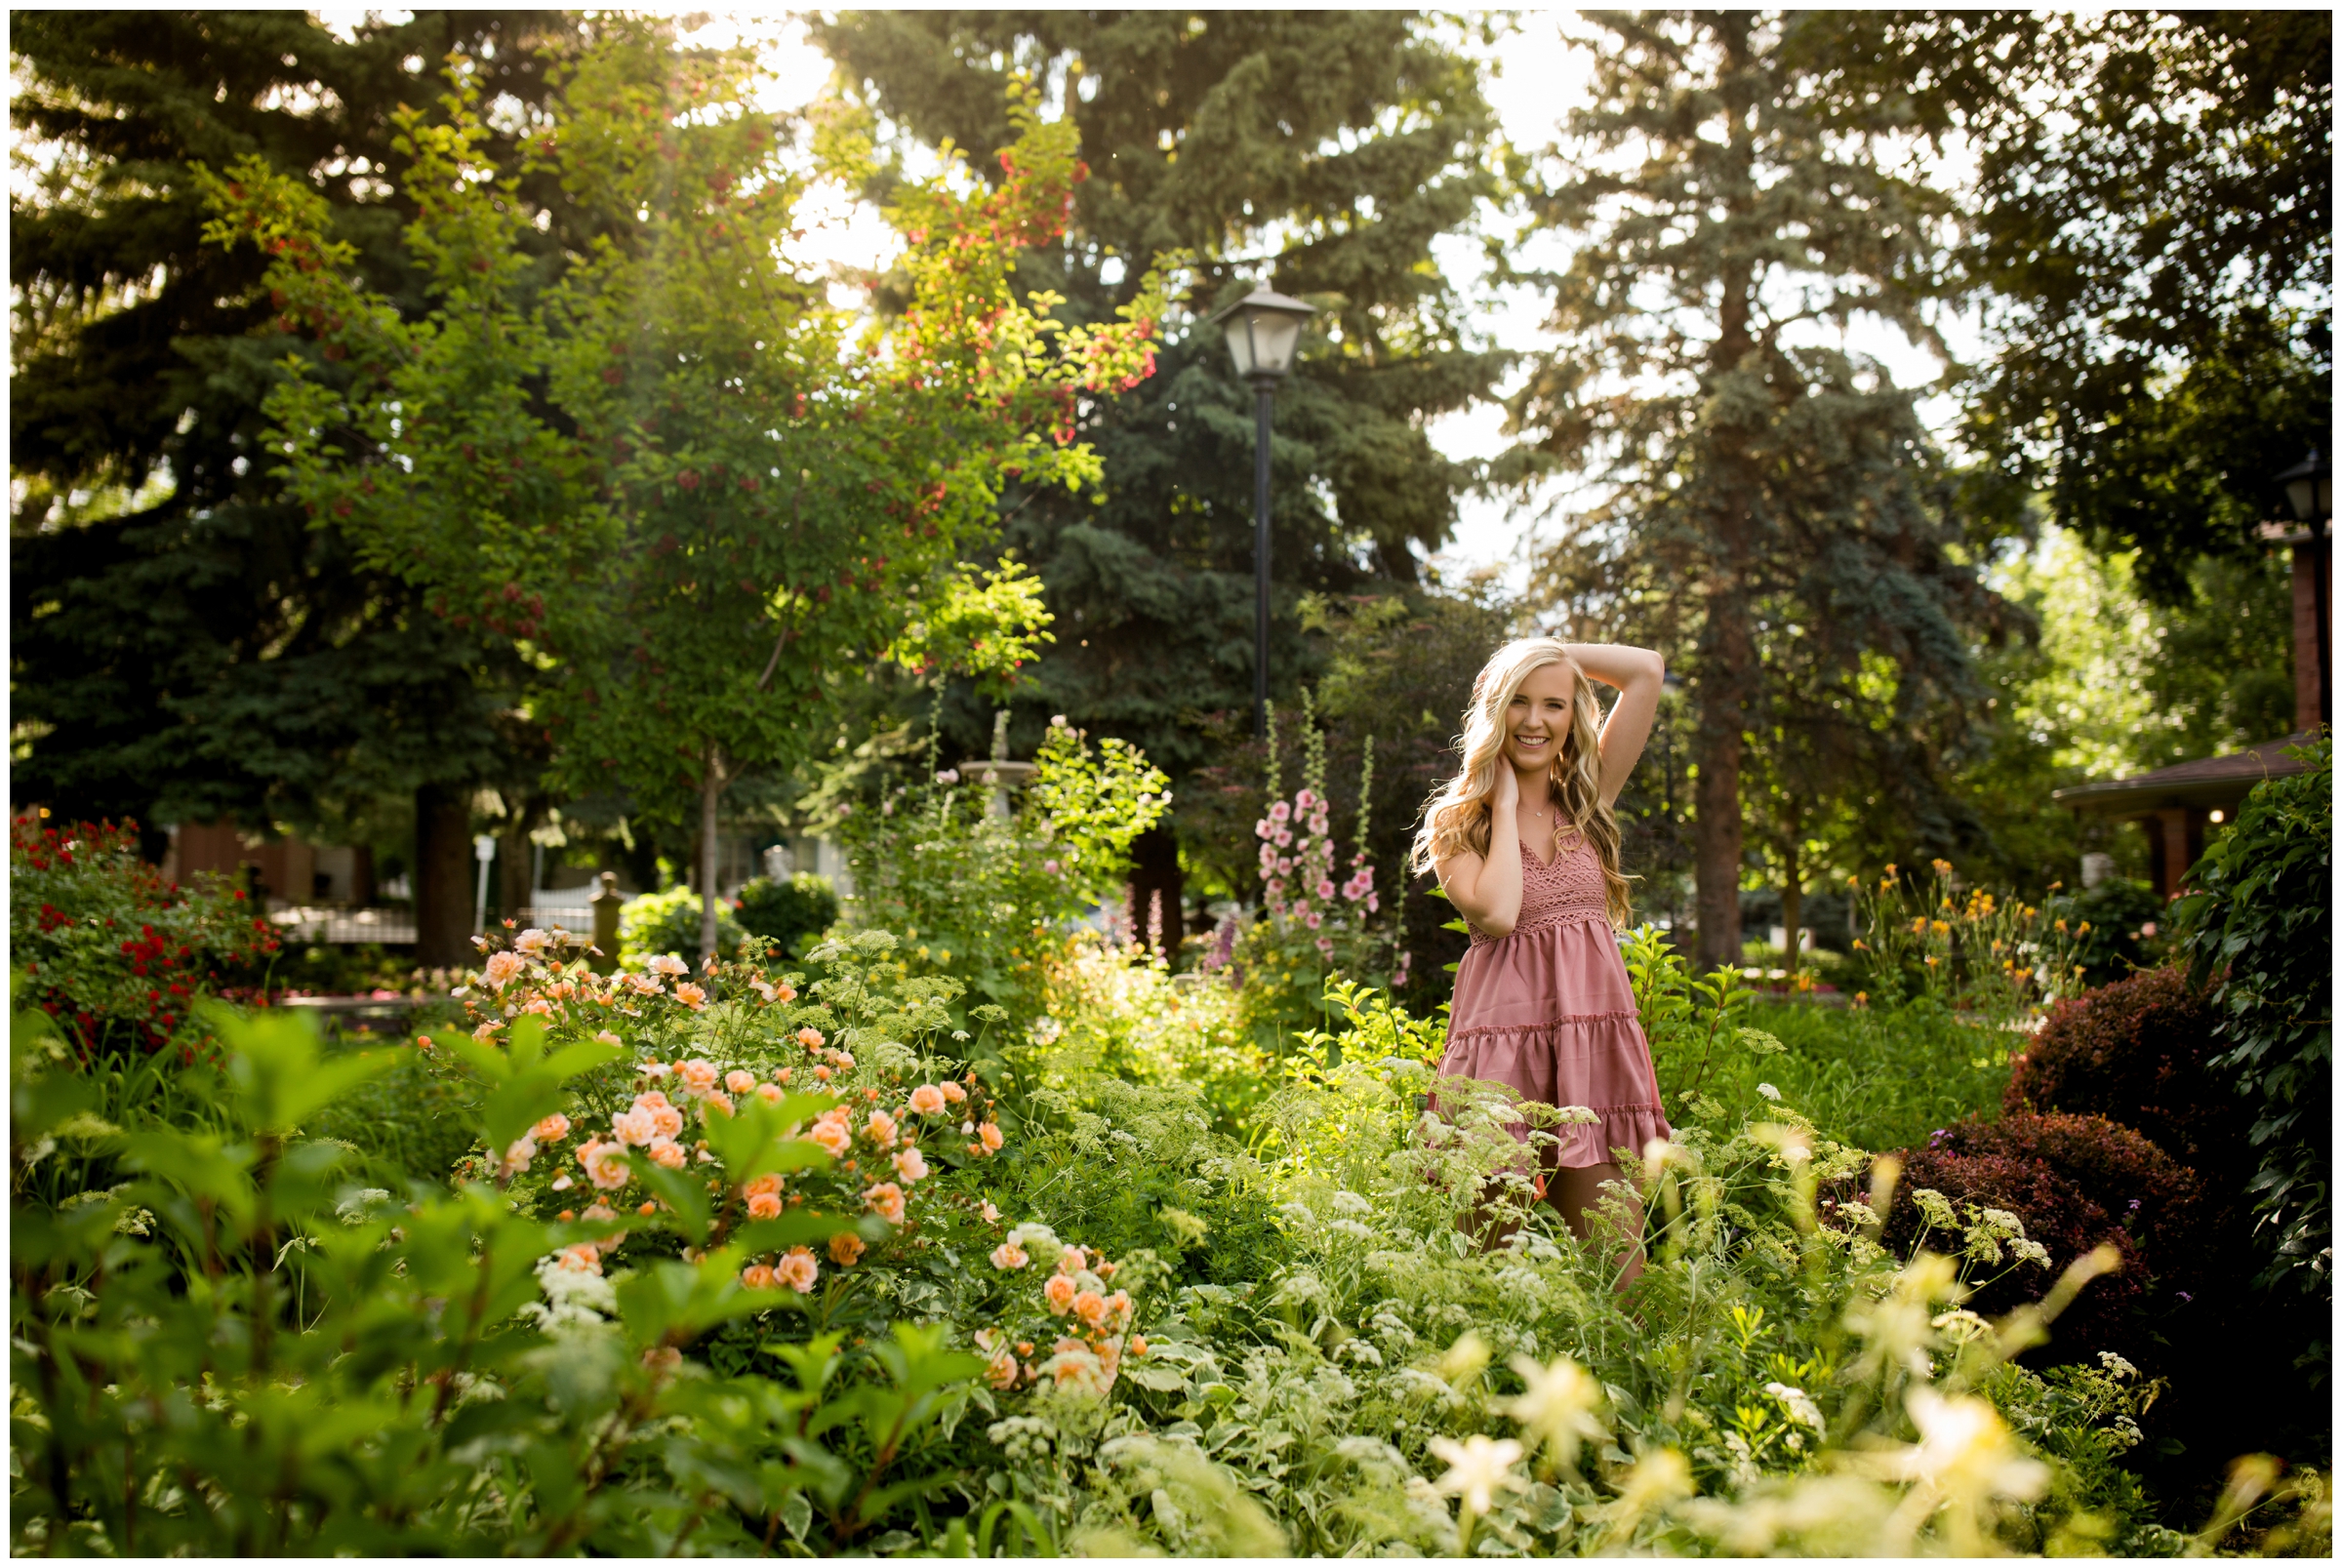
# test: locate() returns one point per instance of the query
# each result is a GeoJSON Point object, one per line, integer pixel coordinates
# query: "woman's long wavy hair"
{"type": "Point", "coordinates": [1457, 817]}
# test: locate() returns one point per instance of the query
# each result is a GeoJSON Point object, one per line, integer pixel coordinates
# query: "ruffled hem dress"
{"type": "Point", "coordinates": [1548, 1009]}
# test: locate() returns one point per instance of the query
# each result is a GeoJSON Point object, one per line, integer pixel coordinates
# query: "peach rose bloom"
{"type": "Point", "coordinates": [740, 1082]}
{"type": "Point", "coordinates": [927, 1099]}
{"type": "Point", "coordinates": [1120, 1302]}
{"type": "Point", "coordinates": [1073, 1260]}
{"type": "Point", "coordinates": [992, 1216]}
{"type": "Point", "coordinates": [764, 1205]}
{"type": "Point", "coordinates": [666, 1121]}
{"type": "Point", "coordinates": [886, 1202]}
{"type": "Point", "coordinates": [990, 1133]}
{"type": "Point", "coordinates": [583, 1259]}
{"type": "Point", "coordinates": [783, 1075]}
{"type": "Point", "coordinates": [1089, 1307]}
{"type": "Point", "coordinates": [757, 1277]}
{"type": "Point", "coordinates": [633, 1126]}
{"type": "Point", "coordinates": [953, 1092]}
{"type": "Point", "coordinates": [692, 996]}
{"type": "Point", "coordinates": [1008, 1254]}
{"type": "Point", "coordinates": [844, 1248]}
{"type": "Point", "coordinates": [531, 941]}
{"type": "Point", "coordinates": [520, 1152]}
{"type": "Point", "coordinates": [810, 1037]}
{"type": "Point", "coordinates": [698, 1076]}
{"type": "Point", "coordinates": [769, 1093]}
{"type": "Point", "coordinates": [538, 1005]}
{"type": "Point", "coordinates": [910, 1165]}
{"type": "Point", "coordinates": [1059, 1293]}
{"type": "Point", "coordinates": [789, 992]}
{"type": "Point", "coordinates": [1001, 1370]}
{"type": "Point", "coordinates": [714, 1100]}
{"type": "Point", "coordinates": [502, 968]}
{"type": "Point", "coordinates": [653, 1099]}
{"type": "Point", "coordinates": [608, 1168]}
{"type": "Point", "coordinates": [845, 1062]}
{"type": "Point", "coordinates": [798, 1271]}
{"type": "Point", "coordinates": [769, 1181]}
{"type": "Point", "coordinates": [667, 963]}
{"type": "Point", "coordinates": [608, 1038]}
{"type": "Point", "coordinates": [551, 1130]}
{"type": "Point", "coordinates": [667, 1152]}
{"type": "Point", "coordinates": [832, 1136]}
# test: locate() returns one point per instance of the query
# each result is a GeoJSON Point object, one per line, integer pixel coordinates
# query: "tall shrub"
{"type": "Point", "coordinates": [2258, 928]}
{"type": "Point", "coordinates": [2135, 1052]}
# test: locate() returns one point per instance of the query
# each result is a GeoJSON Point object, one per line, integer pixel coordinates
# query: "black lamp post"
{"type": "Point", "coordinates": [2309, 491]}
{"type": "Point", "coordinates": [1263, 329]}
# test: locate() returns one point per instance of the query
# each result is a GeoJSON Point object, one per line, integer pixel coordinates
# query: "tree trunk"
{"type": "Point", "coordinates": [1726, 658]}
{"type": "Point", "coordinates": [1155, 872]}
{"type": "Point", "coordinates": [1792, 909]}
{"type": "Point", "coordinates": [712, 793]}
{"type": "Point", "coordinates": [442, 877]}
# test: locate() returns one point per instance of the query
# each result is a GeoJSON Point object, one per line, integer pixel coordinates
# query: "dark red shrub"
{"type": "Point", "coordinates": [2158, 1203]}
{"type": "Point", "coordinates": [2056, 1212]}
{"type": "Point", "coordinates": [2134, 1052]}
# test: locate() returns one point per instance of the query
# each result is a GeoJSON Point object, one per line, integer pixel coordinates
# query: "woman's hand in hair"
{"type": "Point", "coordinates": [1638, 674]}
{"type": "Point", "coordinates": [1486, 889]}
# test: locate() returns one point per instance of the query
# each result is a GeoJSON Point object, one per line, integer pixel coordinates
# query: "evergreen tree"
{"type": "Point", "coordinates": [184, 644]}
{"type": "Point", "coordinates": [1730, 204]}
{"type": "Point", "coordinates": [1321, 152]}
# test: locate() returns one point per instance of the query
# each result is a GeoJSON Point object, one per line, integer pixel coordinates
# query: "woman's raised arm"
{"type": "Point", "coordinates": [1637, 673]}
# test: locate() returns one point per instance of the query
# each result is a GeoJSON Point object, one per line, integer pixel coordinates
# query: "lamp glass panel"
{"type": "Point", "coordinates": [2301, 493]}
{"type": "Point", "coordinates": [1274, 337]}
{"type": "Point", "coordinates": [1239, 341]}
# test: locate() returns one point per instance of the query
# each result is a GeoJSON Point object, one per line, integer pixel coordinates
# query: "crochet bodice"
{"type": "Point", "coordinates": [1564, 892]}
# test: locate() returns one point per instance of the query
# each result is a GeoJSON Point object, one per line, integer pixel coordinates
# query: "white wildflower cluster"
{"type": "Point", "coordinates": [575, 1299]}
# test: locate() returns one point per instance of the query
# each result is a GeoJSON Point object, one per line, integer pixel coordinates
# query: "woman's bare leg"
{"type": "Point", "coordinates": [1577, 1192]}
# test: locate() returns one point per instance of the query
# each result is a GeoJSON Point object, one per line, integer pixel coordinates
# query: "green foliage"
{"type": "Point", "coordinates": [1323, 151]}
{"type": "Point", "coordinates": [119, 959]}
{"type": "Point", "coordinates": [185, 646]}
{"type": "Point", "coordinates": [791, 910]}
{"type": "Point", "coordinates": [1774, 517]}
{"type": "Point", "coordinates": [2259, 929]}
{"type": "Point", "coordinates": [670, 922]}
{"type": "Point", "coordinates": [1883, 1077]}
{"type": "Point", "coordinates": [984, 897]}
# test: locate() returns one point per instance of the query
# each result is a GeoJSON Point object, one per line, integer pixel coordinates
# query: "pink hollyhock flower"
{"type": "Point", "coordinates": [1325, 887]}
{"type": "Point", "coordinates": [1280, 813]}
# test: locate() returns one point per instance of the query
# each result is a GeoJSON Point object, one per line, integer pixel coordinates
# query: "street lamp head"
{"type": "Point", "coordinates": [2310, 488]}
{"type": "Point", "coordinates": [1263, 329]}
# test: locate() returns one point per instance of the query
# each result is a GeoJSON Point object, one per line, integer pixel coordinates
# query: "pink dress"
{"type": "Point", "coordinates": [1548, 1009]}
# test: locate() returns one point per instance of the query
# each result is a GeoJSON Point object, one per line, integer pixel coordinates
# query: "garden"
{"type": "Point", "coordinates": [830, 1256]}
{"type": "Point", "coordinates": [1001, 1114]}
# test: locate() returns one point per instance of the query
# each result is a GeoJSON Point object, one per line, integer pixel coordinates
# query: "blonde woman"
{"type": "Point", "coordinates": [1526, 847]}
